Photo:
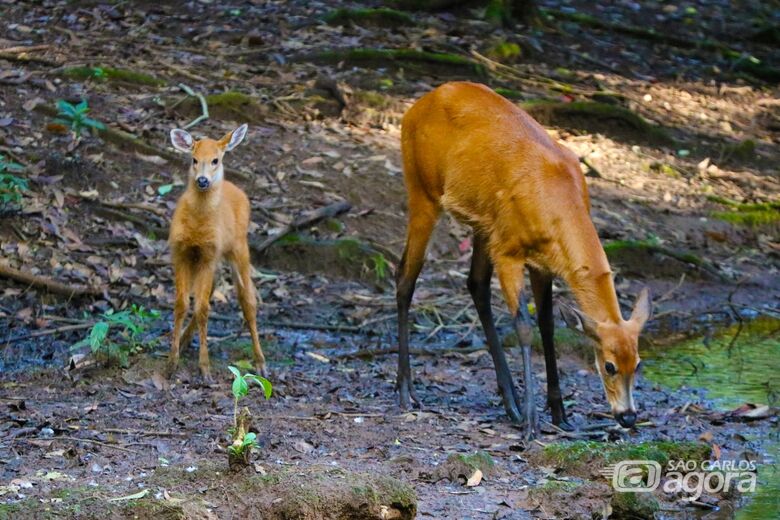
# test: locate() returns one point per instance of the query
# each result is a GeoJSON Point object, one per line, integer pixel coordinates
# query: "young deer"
{"type": "Point", "coordinates": [470, 151]}
{"type": "Point", "coordinates": [210, 224]}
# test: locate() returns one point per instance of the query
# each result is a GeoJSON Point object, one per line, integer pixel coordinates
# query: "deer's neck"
{"type": "Point", "coordinates": [590, 276]}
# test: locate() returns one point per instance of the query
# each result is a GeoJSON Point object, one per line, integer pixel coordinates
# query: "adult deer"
{"type": "Point", "coordinates": [473, 153]}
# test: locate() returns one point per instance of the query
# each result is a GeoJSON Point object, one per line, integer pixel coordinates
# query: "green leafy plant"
{"type": "Point", "coordinates": [11, 186]}
{"type": "Point", "coordinates": [379, 265]}
{"type": "Point", "coordinates": [118, 334]}
{"type": "Point", "coordinates": [75, 117]}
{"type": "Point", "coordinates": [244, 441]}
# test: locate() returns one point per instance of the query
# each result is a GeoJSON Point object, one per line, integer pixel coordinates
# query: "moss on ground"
{"type": "Point", "coordinates": [555, 112]}
{"type": "Point", "coordinates": [231, 105]}
{"type": "Point", "coordinates": [380, 17]}
{"type": "Point", "coordinates": [112, 74]}
{"type": "Point", "coordinates": [505, 51]}
{"type": "Point", "coordinates": [459, 467]}
{"type": "Point", "coordinates": [585, 458]}
{"type": "Point", "coordinates": [749, 214]}
{"type": "Point", "coordinates": [396, 57]}
{"type": "Point", "coordinates": [345, 257]}
{"type": "Point", "coordinates": [634, 505]}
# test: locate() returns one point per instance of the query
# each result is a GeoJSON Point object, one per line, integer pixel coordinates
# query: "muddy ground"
{"type": "Point", "coordinates": [681, 143]}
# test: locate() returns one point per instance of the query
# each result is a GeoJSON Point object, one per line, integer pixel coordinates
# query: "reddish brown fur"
{"type": "Point", "coordinates": [209, 226]}
{"type": "Point", "coordinates": [475, 154]}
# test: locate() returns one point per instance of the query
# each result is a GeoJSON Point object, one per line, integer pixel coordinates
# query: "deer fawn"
{"type": "Point", "coordinates": [475, 154]}
{"type": "Point", "coordinates": [210, 224]}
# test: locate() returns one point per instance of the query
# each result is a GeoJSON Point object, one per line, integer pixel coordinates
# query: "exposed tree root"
{"type": "Point", "coordinates": [50, 285]}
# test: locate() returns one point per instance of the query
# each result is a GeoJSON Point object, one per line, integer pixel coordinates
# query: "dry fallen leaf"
{"type": "Point", "coordinates": [474, 479]}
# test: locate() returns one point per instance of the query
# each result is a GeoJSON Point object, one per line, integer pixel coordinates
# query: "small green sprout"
{"type": "Point", "coordinates": [380, 266]}
{"type": "Point", "coordinates": [243, 440]}
{"type": "Point", "coordinates": [11, 186]}
{"type": "Point", "coordinates": [75, 117]}
{"type": "Point", "coordinates": [128, 326]}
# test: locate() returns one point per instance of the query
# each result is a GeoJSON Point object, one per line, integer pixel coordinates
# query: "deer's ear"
{"type": "Point", "coordinates": [181, 140]}
{"type": "Point", "coordinates": [580, 321]}
{"type": "Point", "coordinates": [643, 308]}
{"type": "Point", "coordinates": [234, 138]}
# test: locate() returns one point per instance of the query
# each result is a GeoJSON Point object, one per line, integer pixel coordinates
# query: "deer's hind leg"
{"type": "Point", "coordinates": [423, 215]}
{"type": "Point", "coordinates": [479, 287]}
{"type": "Point", "coordinates": [247, 298]}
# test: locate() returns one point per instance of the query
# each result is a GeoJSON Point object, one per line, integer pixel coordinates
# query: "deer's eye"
{"type": "Point", "coordinates": [610, 368]}
{"type": "Point", "coordinates": [215, 161]}
{"type": "Point", "coordinates": [194, 160]}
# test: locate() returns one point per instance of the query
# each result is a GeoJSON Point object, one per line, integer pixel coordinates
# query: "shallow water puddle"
{"type": "Point", "coordinates": [735, 367]}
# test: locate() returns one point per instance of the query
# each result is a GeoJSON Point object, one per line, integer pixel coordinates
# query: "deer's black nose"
{"type": "Point", "coordinates": [203, 182]}
{"type": "Point", "coordinates": [626, 419]}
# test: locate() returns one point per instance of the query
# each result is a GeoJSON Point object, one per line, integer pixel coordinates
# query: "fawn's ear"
{"type": "Point", "coordinates": [234, 138]}
{"type": "Point", "coordinates": [181, 140]}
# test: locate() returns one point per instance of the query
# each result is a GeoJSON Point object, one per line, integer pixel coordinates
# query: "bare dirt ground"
{"type": "Point", "coordinates": [669, 192]}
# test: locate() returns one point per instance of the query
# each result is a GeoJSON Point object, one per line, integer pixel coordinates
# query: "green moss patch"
{"type": "Point", "coordinates": [634, 505]}
{"type": "Point", "coordinates": [379, 17]}
{"type": "Point", "coordinates": [597, 117]}
{"type": "Point", "coordinates": [282, 493]}
{"type": "Point", "coordinates": [640, 257]}
{"type": "Point", "coordinates": [409, 58]}
{"type": "Point", "coordinates": [460, 467]}
{"type": "Point", "coordinates": [229, 105]}
{"type": "Point", "coordinates": [750, 214]}
{"type": "Point", "coordinates": [112, 74]}
{"type": "Point", "coordinates": [586, 458]}
{"type": "Point", "coordinates": [346, 258]}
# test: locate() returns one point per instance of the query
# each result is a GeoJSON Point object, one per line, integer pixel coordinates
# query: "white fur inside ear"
{"type": "Point", "coordinates": [181, 140]}
{"type": "Point", "coordinates": [237, 136]}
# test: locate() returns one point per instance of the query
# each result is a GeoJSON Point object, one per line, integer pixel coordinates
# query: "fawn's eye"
{"type": "Point", "coordinates": [610, 368]}
{"type": "Point", "coordinates": [215, 161]}
{"type": "Point", "coordinates": [194, 160]}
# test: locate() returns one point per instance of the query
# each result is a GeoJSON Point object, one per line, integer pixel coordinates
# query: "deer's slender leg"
{"type": "Point", "coordinates": [422, 218]}
{"type": "Point", "coordinates": [479, 287]}
{"type": "Point", "coordinates": [247, 297]}
{"type": "Point", "coordinates": [510, 274]}
{"type": "Point", "coordinates": [541, 283]}
{"type": "Point", "coordinates": [183, 277]}
{"type": "Point", "coordinates": [203, 283]}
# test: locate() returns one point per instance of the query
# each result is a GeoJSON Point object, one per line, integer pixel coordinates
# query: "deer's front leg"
{"type": "Point", "coordinates": [204, 280]}
{"type": "Point", "coordinates": [183, 287]}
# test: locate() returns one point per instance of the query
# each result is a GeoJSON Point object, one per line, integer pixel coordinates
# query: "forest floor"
{"type": "Point", "coordinates": [678, 130]}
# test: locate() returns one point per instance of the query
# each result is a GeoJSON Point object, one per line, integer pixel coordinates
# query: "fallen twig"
{"type": "Point", "coordinates": [184, 72]}
{"type": "Point", "coordinates": [23, 48]}
{"type": "Point", "coordinates": [303, 221]}
{"type": "Point", "coordinates": [124, 205]}
{"type": "Point", "coordinates": [93, 441]}
{"type": "Point", "coordinates": [149, 433]}
{"type": "Point", "coordinates": [49, 332]}
{"type": "Point", "coordinates": [204, 107]}
{"type": "Point", "coordinates": [47, 283]}
{"type": "Point", "coordinates": [23, 57]}
{"type": "Point", "coordinates": [591, 169]}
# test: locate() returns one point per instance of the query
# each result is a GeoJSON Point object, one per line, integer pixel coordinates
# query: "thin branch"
{"type": "Point", "coordinates": [204, 107]}
{"type": "Point", "coordinates": [47, 283]}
